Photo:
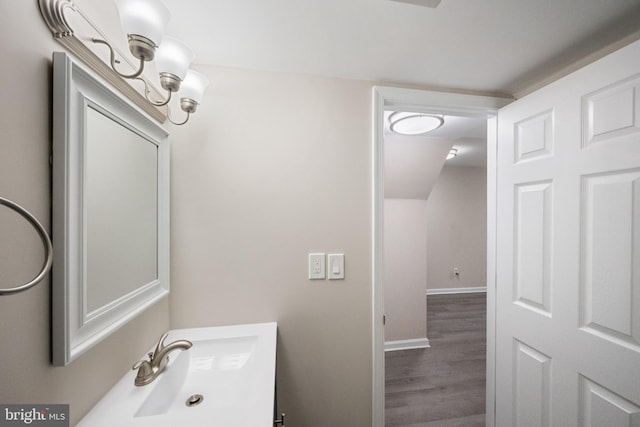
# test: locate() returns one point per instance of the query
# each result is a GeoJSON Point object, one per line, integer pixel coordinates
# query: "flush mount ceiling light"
{"type": "Point", "coordinates": [414, 123]}
{"type": "Point", "coordinates": [452, 153]}
{"type": "Point", "coordinates": [426, 3]}
{"type": "Point", "coordinates": [144, 22]}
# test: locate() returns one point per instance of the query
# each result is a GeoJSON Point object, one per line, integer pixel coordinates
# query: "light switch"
{"type": "Point", "coordinates": [336, 266]}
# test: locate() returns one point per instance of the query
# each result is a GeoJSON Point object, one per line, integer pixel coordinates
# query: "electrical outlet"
{"type": "Point", "coordinates": [456, 272]}
{"type": "Point", "coordinates": [316, 266]}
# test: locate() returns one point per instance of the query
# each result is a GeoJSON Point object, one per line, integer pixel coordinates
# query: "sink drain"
{"type": "Point", "coordinates": [194, 400]}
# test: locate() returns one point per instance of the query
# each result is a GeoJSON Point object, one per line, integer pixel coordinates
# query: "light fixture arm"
{"type": "Point", "coordinates": [114, 61]}
{"type": "Point", "coordinates": [177, 123]}
{"type": "Point", "coordinates": [147, 91]}
{"type": "Point", "coordinates": [187, 105]}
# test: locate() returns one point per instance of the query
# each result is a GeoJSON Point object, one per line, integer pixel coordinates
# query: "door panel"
{"type": "Point", "coordinates": [532, 253]}
{"type": "Point", "coordinates": [532, 386]}
{"type": "Point", "coordinates": [568, 250]}
{"type": "Point", "coordinates": [611, 211]}
{"type": "Point", "coordinates": [602, 407]}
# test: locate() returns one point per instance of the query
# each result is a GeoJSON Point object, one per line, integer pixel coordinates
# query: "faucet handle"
{"type": "Point", "coordinates": [145, 372]}
{"type": "Point", "coordinates": [142, 363]}
{"type": "Point", "coordinates": [139, 364]}
{"type": "Point", "coordinates": [144, 368]}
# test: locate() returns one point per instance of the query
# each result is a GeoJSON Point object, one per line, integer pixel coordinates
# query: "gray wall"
{"type": "Point", "coordinates": [271, 167]}
{"type": "Point", "coordinates": [405, 269]}
{"type": "Point", "coordinates": [26, 375]}
{"type": "Point", "coordinates": [457, 228]}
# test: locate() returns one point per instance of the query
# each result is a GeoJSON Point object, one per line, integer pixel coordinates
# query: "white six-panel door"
{"type": "Point", "coordinates": [568, 250]}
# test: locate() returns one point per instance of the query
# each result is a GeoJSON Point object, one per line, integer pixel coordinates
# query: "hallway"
{"type": "Point", "coordinates": [441, 386]}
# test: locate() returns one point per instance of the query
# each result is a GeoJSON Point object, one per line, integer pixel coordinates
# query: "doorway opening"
{"type": "Point", "coordinates": [464, 106]}
{"type": "Point", "coordinates": [435, 273]}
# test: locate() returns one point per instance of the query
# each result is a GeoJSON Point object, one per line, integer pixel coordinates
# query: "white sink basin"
{"type": "Point", "coordinates": [229, 373]}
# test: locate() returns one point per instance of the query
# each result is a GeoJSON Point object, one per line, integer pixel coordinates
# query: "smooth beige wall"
{"type": "Point", "coordinates": [405, 269]}
{"type": "Point", "coordinates": [26, 375]}
{"type": "Point", "coordinates": [274, 166]}
{"type": "Point", "coordinates": [457, 228]}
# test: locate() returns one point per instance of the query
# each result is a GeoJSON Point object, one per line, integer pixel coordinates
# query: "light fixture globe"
{"type": "Point", "coordinates": [144, 22]}
{"type": "Point", "coordinates": [414, 123]}
{"type": "Point", "coordinates": [172, 62]}
{"type": "Point", "coordinates": [192, 91]}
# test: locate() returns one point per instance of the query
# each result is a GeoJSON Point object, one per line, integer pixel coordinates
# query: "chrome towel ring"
{"type": "Point", "coordinates": [46, 241]}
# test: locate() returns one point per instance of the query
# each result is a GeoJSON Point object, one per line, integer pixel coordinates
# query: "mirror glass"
{"type": "Point", "coordinates": [110, 211]}
{"type": "Point", "coordinates": [122, 210]}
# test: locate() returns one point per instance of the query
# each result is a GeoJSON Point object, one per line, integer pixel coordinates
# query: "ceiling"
{"type": "Point", "coordinates": [495, 47]}
{"type": "Point", "coordinates": [467, 134]}
{"type": "Point", "coordinates": [412, 164]}
{"type": "Point", "coordinates": [489, 46]}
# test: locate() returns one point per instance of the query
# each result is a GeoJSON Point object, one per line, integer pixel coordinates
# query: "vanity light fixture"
{"type": "Point", "coordinates": [452, 153]}
{"type": "Point", "coordinates": [144, 22]}
{"type": "Point", "coordinates": [406, 123]}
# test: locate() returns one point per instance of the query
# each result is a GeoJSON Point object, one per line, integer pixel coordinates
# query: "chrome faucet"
{"type": "Point", "coordinates": [148, 370]}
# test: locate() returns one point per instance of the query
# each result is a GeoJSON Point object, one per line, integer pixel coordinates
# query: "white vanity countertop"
{"type": "Point", "coordinates": [232, 367]}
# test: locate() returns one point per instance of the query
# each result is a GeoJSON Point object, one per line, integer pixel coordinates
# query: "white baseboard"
{"type": "Point", "coordinates": [406, 344]}
{"type": "Point", "coordinates": [444, 291]}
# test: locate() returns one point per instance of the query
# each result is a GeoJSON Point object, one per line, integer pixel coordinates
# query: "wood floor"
{"type": "Point", "coordinates": [441, 386]}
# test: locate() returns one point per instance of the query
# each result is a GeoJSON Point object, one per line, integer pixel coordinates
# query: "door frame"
{"type": "Point", "coordinates": [441, 103]}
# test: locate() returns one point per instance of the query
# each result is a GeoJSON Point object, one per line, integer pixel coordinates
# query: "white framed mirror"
{"type": "Point", "coordinates": [110, 211]}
